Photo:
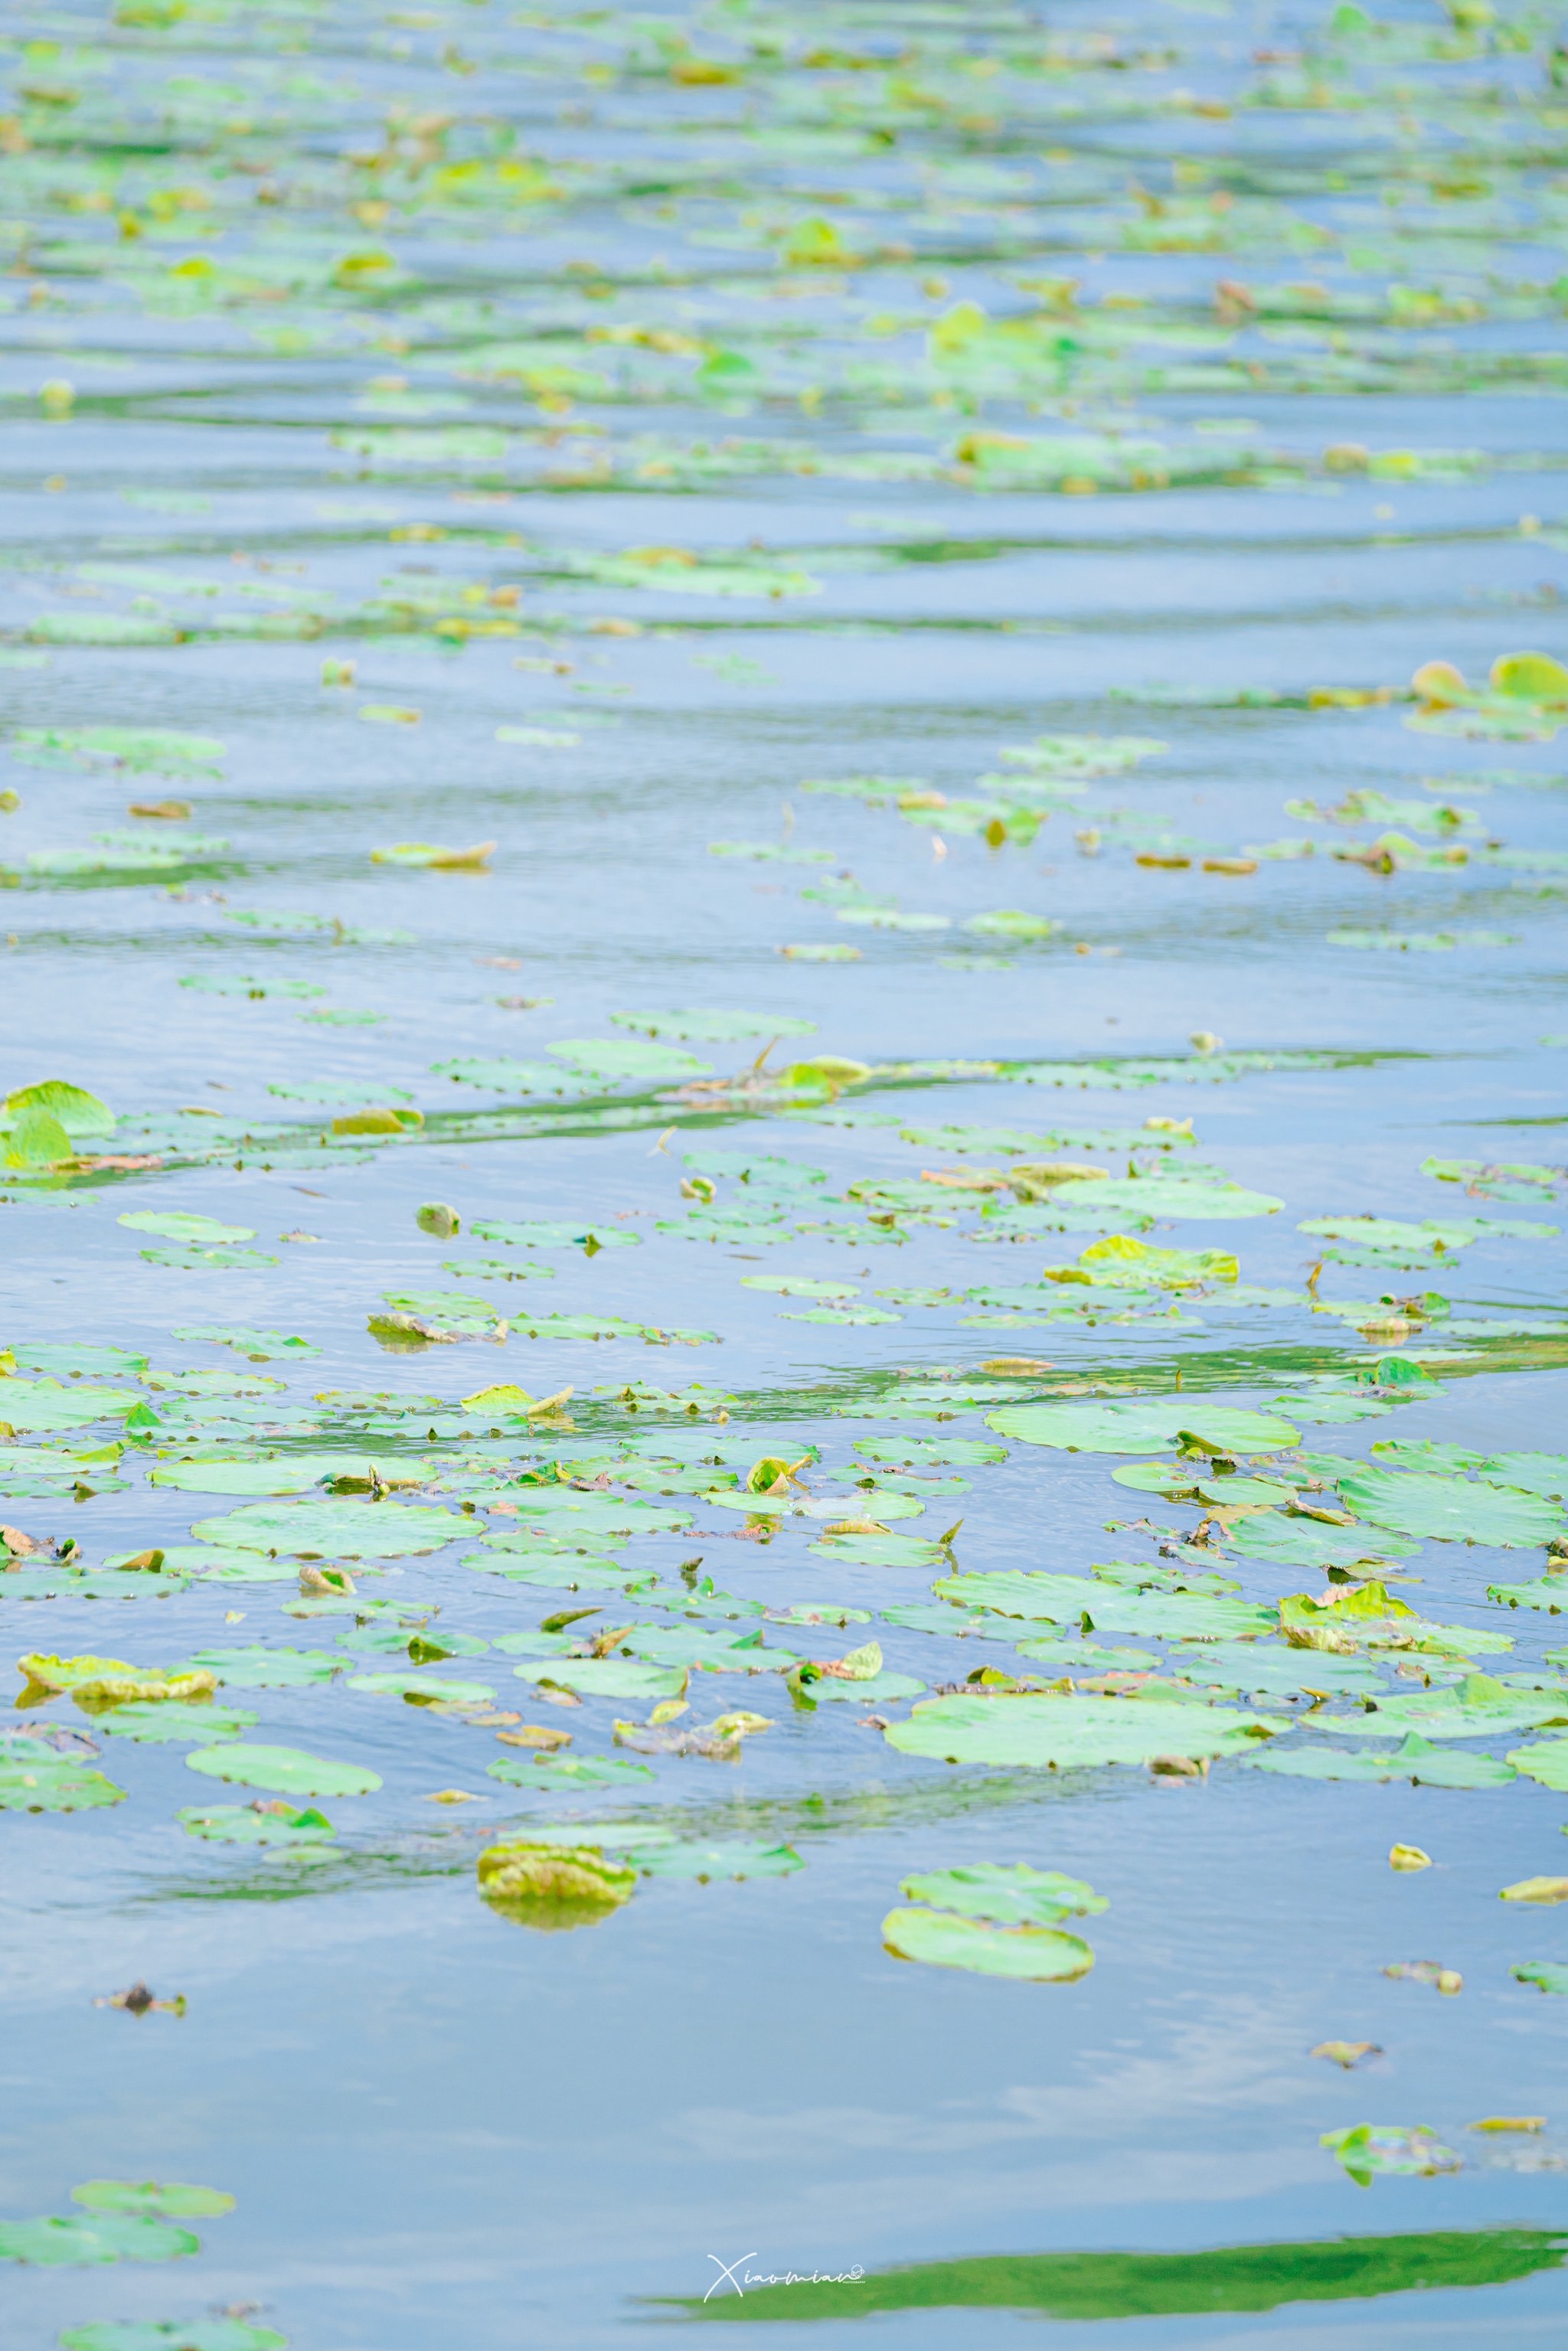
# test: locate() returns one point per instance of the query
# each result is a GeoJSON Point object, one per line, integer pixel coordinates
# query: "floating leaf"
{"type": "Point", "coordinates": [1025, 1954]}
{"type": "Point", "coordinates": [1073, 1733]}
{"type": "Point", "coordinates": [1367, 2149]}
{"type": "Point", "coordinates": [1135, 1428]}
{"type": "Point", "coordinates": [173, 2202]}
{"type": "Point", "coordinates": [1452, 1510]}
{"type": "Point", "coordinates": [286, 1769]}
{"type": "Point", "coordinates": [256, 1824]}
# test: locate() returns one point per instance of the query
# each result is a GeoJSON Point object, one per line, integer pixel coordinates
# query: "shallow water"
{"type": "Point", "coordinates": [573, 438]}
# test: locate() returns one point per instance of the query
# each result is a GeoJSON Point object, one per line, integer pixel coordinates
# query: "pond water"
{"type": "Point", "coordinates": [783, 1441]}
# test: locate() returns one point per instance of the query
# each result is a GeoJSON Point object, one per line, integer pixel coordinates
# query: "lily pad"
{"type": "Point", "coordinates": [882, 1551]}
{"type": "Point", "coordinates": [381, 1530]}
{"type": "Point", "coordinates": [1452, 1509]}
{"type": "Point", "coordinates": [1166, 1196]}
{"type": "Point", "coordinates": [1546, 1975]}
{"type": "Point", "coordinates": [169, 1720]}
{"type": "Point", "coordinates": [287, 1771]}
{"type": "Point", "coordinates": [108, 2237]}
{"type": "Point", "coordinates": [1139, 1427]}
{"type": "Point", "coordinates": [175, 2201]}
{"type": "Point", "coordinates": [1546, 1761]}
{"type": "Point", "coordinates": [428, 1688]}
{"type": "Point", "coordinates": [36, 1778]}
{"type": "Point", "coordinates": [1074, 1733]}
{"type": "Point", "coordinates": [246, 1824]}
{"type": "Point", "coordinates": [172, 2334]}
{"type": "Point", "coordinates": [1005, 1894]}
{"type": "Point", "coordinates": [1367, 2149]}
{"type": "Point", "coordinates": [615, 1059]}
{"type": "Point", "coordinates": [585, 1770]}
{"type": "Point", "coordinates": [604, 1677]}
{"type": "Point", "coordinates": [258, 1668]}
{"type": "Point", "coordinates": [732, 1859]}
{"type": "Point", "coordinates": [1023, 1954]}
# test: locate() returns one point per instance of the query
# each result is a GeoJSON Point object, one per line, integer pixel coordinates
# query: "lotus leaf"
{"type": "Point", "coordinates": [1072, 1599]}
{"type": "Point", "coordinates": [1023, 1954]}
{"type": "Point", "coordinates": [881, 1551]}
{"type": "Point", "coordinates": [379, 1530]}
{"type": "Point", "coordinates": [169, 1720]}
{"type": "Point", "coordinates": [1166, 1196]}
{"type": "Point", "coordinates": [1292, 1542]}
{"type": "Point", "coordinates": [286, 1770]}
{"type": "Point", "coordinates": [1536, 1473]}
{"type": "Point", "coordinates": [1369, 2148]}
{"type": "Point", "coordinates": [1452, 1510]}
{"type": "Point", "coordinates": [1546, 1761]}
{"type": "Point", "coordinates": [108, 2237]}
{"type": "Point", "coordinates": [258, 1668]}
{"type": "Point", "coordinates": [1074, 1733]}
{"type": "Point", "coordinates": [613, 1059]}
{"type": "Point", "coordinates": [733, 1859]}
{"type": "Point", "coordinates": [1547, 1975]}
{"type": "Point", "coordinates": [588, 1770]}
{"type": "Point", "coordinates": [1135, 1428]}
{"type": "Point", "coordinates": [171, 2335]}
{"type": "Point", "coordinates": [1476, 1708]}
{"type": "Point", "coordinates": [1548, 1591]}
{"type": "Point", "coordinates": [37, 1777]}
{"type": "Point", "coordinates": [1006, 1894]}
{"type": "Point", "coordinates": [256, 1824]}
{"type": "Point", "coordinates": [173, 2202]}
{"type": "Point", "coordinates": [605, 1676]}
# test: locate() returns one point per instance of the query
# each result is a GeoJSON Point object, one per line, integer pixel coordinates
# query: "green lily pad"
{"type": "Point", "coordinates": [1452, 1509]}
{"type": "Point", "coordinates": [75, 2243]}
{"type": "Point", "coordinates": [1474, 1708]}
{"type": "Point", "coordinates": [1536, 1473]}
{"type": "Point", "coordinates": [1250, 1666]}
{"type": "Point", "coordinates": [1069, 1599]}
{"type": "Point", "coordinates": [287, 1771]}
{"type": "Point", "coordinates": [1310, 1543]}
{"type": "Point", "coordinates": [1023, 1954]}
{"type": "Point", "coordinates": [586, 1771]}
{"type": "Point", "coordinates": [882, 1551]}
{"type": "Point", "coordinates": [175, 2201]}
{"type": "Point", "coordinates": [877, 1689]}
{"type": "Point", "coordinates": [545, 1233]}
{"type": "Point", "coordinates": [177, 1226]}
{"type": "Point", "coordinates": [280, 1475]}
{"type": "Point", "coordinates": [171, 1719]}
{"type": "Point", "coordinates": [367, 1530]}
{"type": "Point", "coordinates": [243, 1825]}
{"type": "Point", "coordinates": [258, 1668]}
{"type": "Point", "coordinates": [1139, 1427]}
{"type": "Point", "coordinates": [172, 2334]}
{"type": "Point", "coordinates": [1367, 2149]}
{"type": "Point", "coordinates": [1545, 1760]}
{"type": "Point", "coordinates": [32, 1405]}
{"type": "Point", "coordinates": [604, 1677]}
{"type": "Point", "coordinates": [45, 1782]}
{"type": "Point", "coordinates": [428, 1687]}
{"type": "Point", "coordinates": [1546, 1975]}
{"type": "Point", "coordinates": [1164, 1196]}
{"type": "Point", "coordinates": [731, 1859]}
{"type": "Point", "coordinates": [1548, 1591]}
{"type": "Point", "coordinates": [1073, 1733]}
{"type": "Point", "coordinates": [1005, 1894]}
{"type": "Point", "coordinates": [612, 1059]}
